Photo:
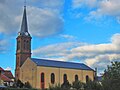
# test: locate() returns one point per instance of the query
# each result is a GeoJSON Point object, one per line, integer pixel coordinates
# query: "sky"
{"type": "Point", "coordinates": [83, 31]}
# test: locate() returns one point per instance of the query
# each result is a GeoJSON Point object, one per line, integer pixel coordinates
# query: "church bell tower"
{"type": "Point", "coordinates": [23, 50]}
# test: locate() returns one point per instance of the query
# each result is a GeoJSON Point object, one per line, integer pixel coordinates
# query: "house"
{"type": "Point", "coordinates": [6, 77]}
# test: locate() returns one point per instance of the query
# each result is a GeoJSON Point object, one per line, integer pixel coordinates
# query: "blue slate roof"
{"type": "Point", "coordinates": [60, 64]}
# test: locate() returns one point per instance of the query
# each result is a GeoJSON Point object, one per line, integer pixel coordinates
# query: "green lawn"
{"type": "Point", "coordinates": [19, 89]}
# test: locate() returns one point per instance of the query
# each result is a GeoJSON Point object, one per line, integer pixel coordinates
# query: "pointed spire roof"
{"type": "Point", "coordinates": [24, 26]}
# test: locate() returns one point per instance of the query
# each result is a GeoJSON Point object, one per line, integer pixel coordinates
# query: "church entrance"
{"type": "Point", "coordinates": [42, 81]}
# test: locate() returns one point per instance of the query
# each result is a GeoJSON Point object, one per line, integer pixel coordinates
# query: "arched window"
{"type": "Point", "coordinates": [42, 81]}
{"type": "Point", "coordinates": [65, 78]}
{"type": "Point", "coordinates": [42, 77]}
{"type": "Point", "coordinates": [76, 77]}
{"type": "Point", "coordinates": [87, 78]}
{"type": "Point", "coordinates": [52, 78]}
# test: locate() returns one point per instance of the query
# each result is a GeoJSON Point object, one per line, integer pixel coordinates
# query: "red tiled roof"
{"type": "Point", "coordinates": [5, 78]}
{"type": "Point", "coordinates": [8, 74]}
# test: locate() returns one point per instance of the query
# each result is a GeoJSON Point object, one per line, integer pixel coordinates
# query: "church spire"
{"type": "Point", "coordinates": [24, 26]}
{"type": "Point", "coordinates": [23, 50]}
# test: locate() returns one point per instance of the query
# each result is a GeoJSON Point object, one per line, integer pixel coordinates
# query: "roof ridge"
{"type": "Point", "coordinates": [58, 61]}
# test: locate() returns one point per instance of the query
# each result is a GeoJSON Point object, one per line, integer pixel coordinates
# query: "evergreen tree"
{"type": "Point", "coordinates": [111, 78]}
{"type": "Point", "coordinates": [92, 85]}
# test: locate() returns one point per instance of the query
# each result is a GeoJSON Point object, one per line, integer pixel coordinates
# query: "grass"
{"type": "Point", "coordinates": [20, 89]}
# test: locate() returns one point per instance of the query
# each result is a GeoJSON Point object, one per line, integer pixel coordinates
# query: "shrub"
{"type": "Point", "coordinates": [27, 85]}
{"type": "Point", "coordinates": [19, 84]}
{"type": "Point", "coordinates": [56, 87]}
{"type": "Point", "coordinates": [77, 85]}
{"type": "Point", "coordinates": [66, 85]}
{"type": "Point", "coordinates": [92, 85]}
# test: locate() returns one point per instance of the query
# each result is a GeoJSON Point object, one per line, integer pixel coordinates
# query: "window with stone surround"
{"type": "Point", "coordinates": [52, 78]}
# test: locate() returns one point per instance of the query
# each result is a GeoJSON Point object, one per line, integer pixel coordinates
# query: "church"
{"type": "Point", "coordinates": [41, 73]}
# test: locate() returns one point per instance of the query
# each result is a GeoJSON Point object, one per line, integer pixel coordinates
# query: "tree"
{"type": "Point", "coordinates": [111, 77]}
{"type": "Point", "coordinates": [66, 85]}
{"type": "Point", "coordinates": [92, 85]}
{"type": "Point", "coordinates": [77, 85]}
{"type": "Point", "coordinates": [19, 84]}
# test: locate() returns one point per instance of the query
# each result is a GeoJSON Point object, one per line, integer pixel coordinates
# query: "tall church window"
{"type": "Point", "coordinates": [52, 78]}
{"type": "Point", "coordinates": [42, 81]}
{"type": "Point", "coordinates": [42, 77]}
{"type": "Point", "coordinates": [65, 78]}
{"type": "Point", "coordinates": [76, 77]}
{"type": "Point", "coordinates": [87, 78]}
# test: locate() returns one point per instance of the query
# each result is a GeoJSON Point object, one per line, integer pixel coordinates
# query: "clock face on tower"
{"type": "Point", "coordinates": [26, 33]}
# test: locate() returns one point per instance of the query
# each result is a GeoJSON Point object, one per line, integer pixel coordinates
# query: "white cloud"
{"type": "Point", "coordinates": [8, 68]}
{"type": "Point", "coordinates": [115, 40]}
{"type": "Point", "coordinates": [101, 61]}
{"type": "Point", "coordinates": [107, 8]}
{"type": "Point", "coordinates": [59, 50]}
{"type": "Point", "coordinates": [69, 37]}
{"type": "Point", "coordinates": [44, 22]}
{"type": "Point", "coordinates": [94, 55]}
{"type": "Point", "coordinates": [41, 19]}
{"type": "Point", "coordinates": [7, 23]}
{"type": "Point", "coordinates": [99, 8]}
